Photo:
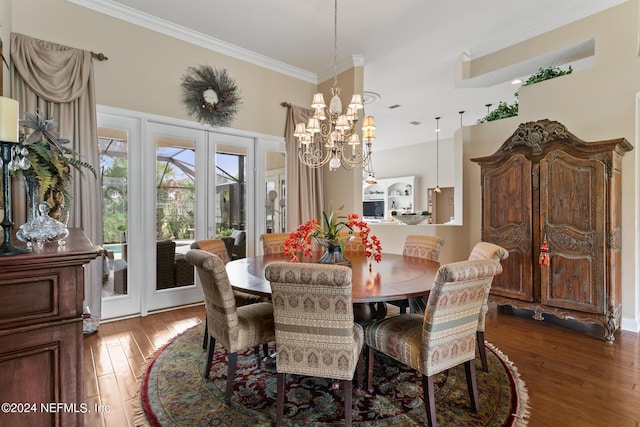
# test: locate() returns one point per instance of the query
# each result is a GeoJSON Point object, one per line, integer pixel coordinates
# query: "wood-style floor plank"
{"type": "Point", "coordinates": [573, 377]}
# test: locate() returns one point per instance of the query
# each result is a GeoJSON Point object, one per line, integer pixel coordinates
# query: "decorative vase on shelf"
{"type": "Point", "coordinates": [333, 252]}
{"type": "Point", "coordinates": [32, 190]}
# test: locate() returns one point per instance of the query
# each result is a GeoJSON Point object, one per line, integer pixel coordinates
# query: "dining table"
{"type": "Point", "coordinates": [395, 278]}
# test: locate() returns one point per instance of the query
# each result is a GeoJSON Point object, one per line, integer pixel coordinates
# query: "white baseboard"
{"type": "Point", "coordinates": [630, 324]}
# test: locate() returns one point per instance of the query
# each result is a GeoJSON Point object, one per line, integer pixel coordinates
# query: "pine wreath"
{"type": "Point", "coordinates": [210, 95]}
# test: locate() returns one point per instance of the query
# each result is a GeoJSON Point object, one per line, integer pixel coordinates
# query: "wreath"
{"type": "Point", "coordinates": [210, 95]}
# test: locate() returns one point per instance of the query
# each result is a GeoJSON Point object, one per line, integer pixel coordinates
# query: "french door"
{"type": "Point", "coordinates": [166, 183]}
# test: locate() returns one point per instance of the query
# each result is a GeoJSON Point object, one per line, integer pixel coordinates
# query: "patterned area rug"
{"type": "Point", "coordinates": [174, 393]}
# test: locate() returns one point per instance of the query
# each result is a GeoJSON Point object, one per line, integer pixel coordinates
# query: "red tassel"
{"type": "Point", "coordinates": [544, 252]}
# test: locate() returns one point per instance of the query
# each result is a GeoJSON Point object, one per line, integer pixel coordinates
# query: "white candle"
{"type": "Point", "coordinates": [8, 119]}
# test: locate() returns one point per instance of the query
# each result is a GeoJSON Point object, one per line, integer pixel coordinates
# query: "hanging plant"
{"type": "Point", "coordinates": [210, 95]}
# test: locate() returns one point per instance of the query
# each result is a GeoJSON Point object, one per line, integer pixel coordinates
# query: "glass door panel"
{"type": "Point", "coordinates": [231, 196]}
{"type": "Point", "coordinates": [174, 210]}
{"type": "Point", "coordinates": [116, 136]}
{"type": "Point", "coordinates": [275, 193]}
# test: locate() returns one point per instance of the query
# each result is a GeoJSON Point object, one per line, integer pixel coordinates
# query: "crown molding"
{"type": "Point", "coordinates": [342, 66]}
{"type": "Point", "coordinates": [141, 19]}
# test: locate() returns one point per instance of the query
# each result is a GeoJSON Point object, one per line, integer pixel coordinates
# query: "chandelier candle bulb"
{"type": "Point", "coordinates": [8, 119]}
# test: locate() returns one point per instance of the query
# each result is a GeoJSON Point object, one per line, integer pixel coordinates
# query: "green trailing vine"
{"type": "Point", "coordinates": [505, 110]}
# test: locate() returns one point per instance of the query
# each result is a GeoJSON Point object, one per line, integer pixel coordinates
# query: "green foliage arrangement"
{"type": "Point", "coordinates": [51, 162]}
{"type": "Point", "coordinates": [505, 110]}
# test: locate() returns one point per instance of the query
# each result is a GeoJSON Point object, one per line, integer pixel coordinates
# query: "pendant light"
{"type": "Point", "coordinates": [437, 189]}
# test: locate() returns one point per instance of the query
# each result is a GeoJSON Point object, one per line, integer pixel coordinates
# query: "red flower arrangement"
{"type": "Point", "coordinates": [300, 240]}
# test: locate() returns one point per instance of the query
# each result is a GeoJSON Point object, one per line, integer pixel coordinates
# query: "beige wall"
{"type": "Point", "coordinates": [594, 104]}
{"type": "Point", "coordinates": [344, 187]}
{"type": "Point", "coordinates": [145, 68]}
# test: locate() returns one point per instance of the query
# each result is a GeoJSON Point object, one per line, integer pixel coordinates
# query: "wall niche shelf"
{"type": "Point", "coordinates": [389, 194]}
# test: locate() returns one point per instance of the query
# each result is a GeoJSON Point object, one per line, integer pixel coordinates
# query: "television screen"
{"type": "Point", "coordinates": [373, 208]}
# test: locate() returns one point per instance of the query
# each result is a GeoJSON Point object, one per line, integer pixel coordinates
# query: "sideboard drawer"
{"type": "Point", "coordinates": [41, 294]}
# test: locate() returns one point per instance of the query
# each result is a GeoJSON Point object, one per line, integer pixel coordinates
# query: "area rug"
{"type": "Point", "coordinates": [174, 393]}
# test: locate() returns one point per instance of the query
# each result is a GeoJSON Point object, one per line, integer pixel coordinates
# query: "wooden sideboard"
{"type": "Point", "coordinates": [41, 295]}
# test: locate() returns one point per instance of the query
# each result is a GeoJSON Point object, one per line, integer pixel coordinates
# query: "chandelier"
{"type": "Point", "coordinates": [327, 135]}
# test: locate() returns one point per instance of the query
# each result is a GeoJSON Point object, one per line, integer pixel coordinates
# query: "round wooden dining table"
{"type": "Point", "coordinates": [395, 277]}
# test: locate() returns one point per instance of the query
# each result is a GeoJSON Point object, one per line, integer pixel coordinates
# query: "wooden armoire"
{"type": "Point", "coordinates": [545, 182]}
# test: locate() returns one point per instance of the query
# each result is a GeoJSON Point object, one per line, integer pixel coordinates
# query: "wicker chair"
{"type": "Point", "coordinates": [172, 270]}
{"type": "Point", "coordinates": [442, 338]}
{"type": "Point", "coordinates": [419, 246]}
{"type": "Point", "coordinates": [235, 328]}
{"type": "Point", "coordinates": [486, 250]}
{"type": "Point", "coordinates": [221, 249]}
{"type": "Point", "coordinates": [273, 243]}
{"type": "Point", "coordinates": [315, 331]}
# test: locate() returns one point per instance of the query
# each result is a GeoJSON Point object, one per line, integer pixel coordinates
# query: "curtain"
{"type": "Point", "coordinates": [57, 81]}
{"type": "Point", "coordinates": [305, 190]}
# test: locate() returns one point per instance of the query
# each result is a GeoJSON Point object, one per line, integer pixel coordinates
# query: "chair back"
{"type": "Point", "coordinates": [355, 245]}
{"type": "Point", "coordinates": [451, 317]}
{"type": "Point", "coordinates": [486, 250]}
{"type": "Point", "coordinates": [214, 246]}
{"type": "Point", "coordinates": [426, 247]}
{"type": "Point", "coordinates": [219, 299]}
{"type": "Point", "coordinates": [313, 317]}
{"type": "Point", "coordinates": [273, 243]}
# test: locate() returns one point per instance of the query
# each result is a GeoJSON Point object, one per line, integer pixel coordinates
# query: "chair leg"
{"type": "Point", "coordinates": [210, 351]}
{"type": "Point", "coordinates": [470, 372]}
{"type": "Point", "coordinates": [348, 405]}
{"type": "Point", "coordinates": [265, 350]}
{"type": "Point", "coordinates": [370, 369]}
{"type": "Point", "coordinates": [482, 350]}
{"type": "Point", "coordinates": [280, 398]}
{"type": "Point", "coordinates": [359, 370]}
{"type": "Point", "coordinates": [256, 350]}
{"type": "Point", "coordinates": [206, 334]}
{"type": "Point", "coordinates": [429, 399]}
{"type": "Point", "coordinates": [232, 359]}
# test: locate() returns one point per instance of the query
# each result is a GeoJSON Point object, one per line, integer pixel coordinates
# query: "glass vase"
{"type": "Point", "coordinates": [332, 252]}
{"type": "Point", "coordinates": [32, 190]}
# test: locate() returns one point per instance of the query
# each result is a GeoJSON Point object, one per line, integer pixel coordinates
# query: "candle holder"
{"type": "Point", "coordinates": [7, 247]}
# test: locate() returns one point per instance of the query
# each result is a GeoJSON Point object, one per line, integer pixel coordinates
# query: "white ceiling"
{"type": "Point", "coordinates": [409, 47]}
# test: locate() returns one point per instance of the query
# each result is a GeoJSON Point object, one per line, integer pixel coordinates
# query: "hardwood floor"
{"type": "Point", "coordinates": [574, 378]}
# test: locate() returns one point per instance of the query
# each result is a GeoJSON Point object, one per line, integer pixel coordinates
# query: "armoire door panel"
{"type": "Point", "coordinates": [507, 222]}
{"type": "Point", "coordinates": [573, 202]}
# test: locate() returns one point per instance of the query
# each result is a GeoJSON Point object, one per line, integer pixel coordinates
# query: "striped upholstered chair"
{"type": "Point", "coordinates": [220, 248]}
{"type": "Point", "coordinates": [235, 328]}
{"type": "Point", "coordinates": [486, 250]}
{"type": "Point", "coordinates": [273, 243]}
{"type": "Point", "coordinates": [442, 338]}
{"type": "Point", "coordinates": [315, 331]}
{"type": "Point", "coordinates": [425, 247]}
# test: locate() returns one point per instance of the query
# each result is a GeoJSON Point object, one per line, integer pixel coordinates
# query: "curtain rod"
{"type": "Point", "coordinates": [285, 104]}
{"type": "Point", "coordinates": [99, 56]}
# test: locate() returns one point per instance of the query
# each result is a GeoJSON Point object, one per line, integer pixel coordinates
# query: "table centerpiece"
{"type": "Point", "coordinates": [333, 235]}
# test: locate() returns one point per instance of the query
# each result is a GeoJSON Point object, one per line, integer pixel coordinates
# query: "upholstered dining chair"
{"type": "Point", "coordinates": [314, 327]}
{"type": "Point", "coordinates": [486, 250]}
{"type": "Point", "coordinates": [425, 247]}
{"type": "Point", "coordinates": [235, 328]}
{"type": "Point", "coordinates": [355, 245]}
{"type": "Point", "coordinates": [442, 338]}
{"type": "Point", "coordinates": [273, 243]}
{"type": "Point", "coordinates": [220, 248]}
